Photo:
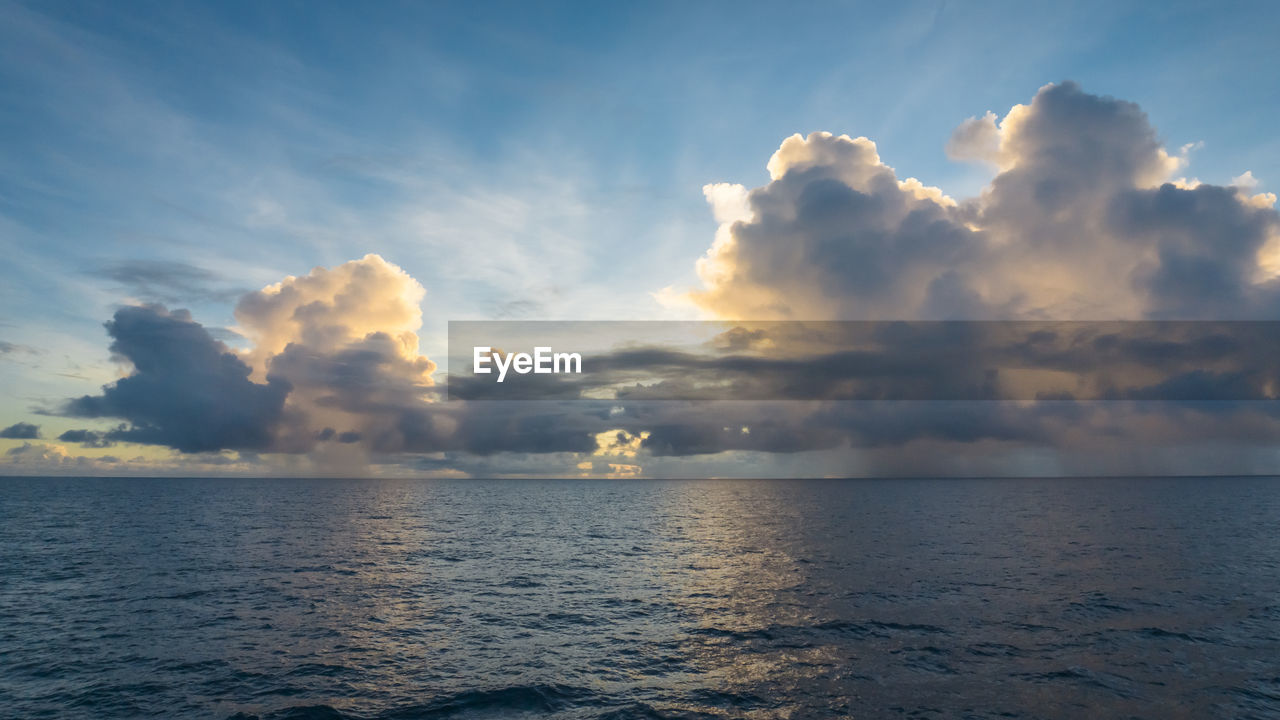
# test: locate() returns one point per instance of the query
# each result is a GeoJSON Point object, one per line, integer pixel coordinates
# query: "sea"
{"type": "Point", "coordinates": [398, 599]}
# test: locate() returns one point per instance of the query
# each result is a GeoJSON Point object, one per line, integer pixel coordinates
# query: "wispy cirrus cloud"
{"type": "Point", "coordinates": [166, 282]}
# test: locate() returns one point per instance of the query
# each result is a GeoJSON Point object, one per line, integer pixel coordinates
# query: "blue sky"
{"type": "Point", "coordinates": [519, 160]}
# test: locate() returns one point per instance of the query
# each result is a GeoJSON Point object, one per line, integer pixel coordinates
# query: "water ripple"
{"type": "Point", "coordinates": [364, 600]}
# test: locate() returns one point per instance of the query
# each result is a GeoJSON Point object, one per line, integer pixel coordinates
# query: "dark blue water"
{"type": "Point", "coordinates": [639, 599]}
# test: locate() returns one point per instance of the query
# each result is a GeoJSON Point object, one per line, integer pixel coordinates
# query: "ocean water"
{"type": "Point", "coordinates": [184, 598]}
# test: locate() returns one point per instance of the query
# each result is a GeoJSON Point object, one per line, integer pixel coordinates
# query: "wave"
{"type": "Point", "coordinates": [781, 634]}
{"type": "Point", "coordinates": [528, 699]}
{"type": "Point", "coordinates": [514, 699]}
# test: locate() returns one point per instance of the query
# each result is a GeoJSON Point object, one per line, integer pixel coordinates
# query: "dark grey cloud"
{"type": "Point", "coordinates": [924, 361]}
{"type": "Point", "coordinates": [187, 391]}
{"type": "Point", "coordinates": [489, 428]}
{"type": "Point", "coordinates": [190, 393]}
{"type": "Point", "coordinates": [21, 431]}
{"type": "Point", "coordinates": [680, 429]}
{"type": "Point", "coordinates": [1206, 244]}
{"type": "Point", "coordinates": [363, 376]}
{"type": "Point", "coordinates": [88, 438]}
{"type": "Point", "coordinates": [347, 438]}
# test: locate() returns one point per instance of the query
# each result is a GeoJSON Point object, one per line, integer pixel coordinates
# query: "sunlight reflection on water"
{"type": "Point", "coordinates": [586, 599]}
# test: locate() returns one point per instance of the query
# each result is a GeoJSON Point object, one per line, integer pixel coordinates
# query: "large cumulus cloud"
{"type": "Point", "coordinates": [1083, 221]}
{"type": "Point", "coordinates": [346, 340]}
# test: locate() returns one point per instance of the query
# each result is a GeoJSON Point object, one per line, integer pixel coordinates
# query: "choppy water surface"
{"type": "Point", "coordinates": [634, 599]}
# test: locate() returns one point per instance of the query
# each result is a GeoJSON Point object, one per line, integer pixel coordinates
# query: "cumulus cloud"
{"type": "Point", "coordinates": [834, 234]}
{"type": "Point", "coordinates": [21, 431]}
{"type": "Point", "coordinates": [1245, 181]}
{"type": "Point", "coordinates": [38, 453]}
{"type": "Point", "coordinates": [47, 459]}
{"type": "Point", "coordinates": [334, 309]}
{"type": "Point", "coordinates": [976, 139]}
{"type": "Point", "coordinates": [345, 339]}
{"type": "Point", "coordinates": [186, 390]}
{"type": "Point", "coordinates": [1082, 221]}
{"type": "Point", "coordinates": [334, 370]}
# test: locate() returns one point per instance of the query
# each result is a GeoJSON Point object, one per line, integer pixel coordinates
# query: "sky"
{"type": "Point", "coordinates": [182, 182]}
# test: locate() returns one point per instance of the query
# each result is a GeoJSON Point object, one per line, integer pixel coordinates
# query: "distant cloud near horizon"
{"type": "Point", "coordinates": [21, 431]}
{"type": "Point", "coordinates": [87, 438]}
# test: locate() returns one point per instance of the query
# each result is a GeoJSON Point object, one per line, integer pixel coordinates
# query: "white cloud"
{"type": "Point", "coordinates": [1082, 221]}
